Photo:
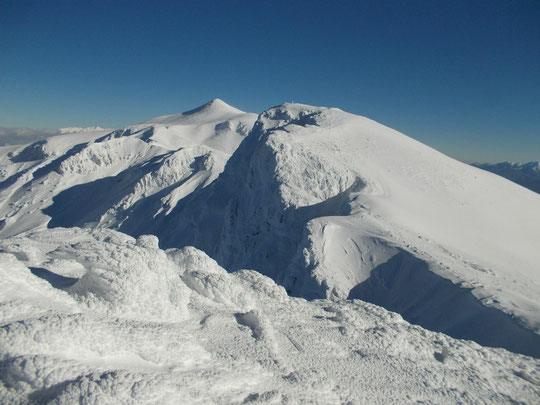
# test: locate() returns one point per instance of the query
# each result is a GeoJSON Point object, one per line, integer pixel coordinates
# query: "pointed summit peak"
{"type": "Point", "coordinates": [214, 110]}
{"type": "Point", "coordinates": [219, 102]}
{"type": "Point", "coordinates": [214, 106]}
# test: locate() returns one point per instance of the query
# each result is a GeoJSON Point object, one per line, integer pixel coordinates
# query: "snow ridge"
{"type": "Point", "coordinates": [72, 130]}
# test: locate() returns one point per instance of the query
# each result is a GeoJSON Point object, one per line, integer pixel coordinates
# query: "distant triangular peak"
{"type": "Point", "coordinates": [214, 110]}
{"type": "Point", "coordinates": [216, 105]}
{"type": "Point", "coordinates": [215, 124]}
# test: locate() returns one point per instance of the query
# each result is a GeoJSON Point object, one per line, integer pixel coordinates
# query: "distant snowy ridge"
{"type": "Point", "coordinates": [72, 130]}
{"type": "Point", "coordinates": [98, 177]}
{"type": "Point", "coordinates": [524, 174]}
{"type": "Point", "coordinates": [21, 136]}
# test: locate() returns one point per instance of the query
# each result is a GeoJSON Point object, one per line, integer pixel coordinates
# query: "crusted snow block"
{"type": "Point", "coordinates": [131, 280]}
{"type": "Point", "coordinates": [203, 275]}
{"type": "Point", "coordinates": [148, 242]}
{"type": "Point", "coordinates": [118, 276]}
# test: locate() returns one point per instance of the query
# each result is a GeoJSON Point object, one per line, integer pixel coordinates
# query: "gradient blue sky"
{"type": "Point", "coordinates": [462, 76]}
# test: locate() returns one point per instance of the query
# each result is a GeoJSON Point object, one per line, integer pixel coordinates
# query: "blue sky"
{"type": "Point", "coordinates": [462, 76]}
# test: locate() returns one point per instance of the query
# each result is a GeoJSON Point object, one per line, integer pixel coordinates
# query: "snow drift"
{"type": "Point", "coordinates": [150, 326]}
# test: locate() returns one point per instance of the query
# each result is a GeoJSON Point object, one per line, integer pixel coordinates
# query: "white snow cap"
{"type": "Point", "coordinates": [214, 110]}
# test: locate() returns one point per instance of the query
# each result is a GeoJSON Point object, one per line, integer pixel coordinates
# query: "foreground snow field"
{"type": "Point", "coordinates": [330, 212]}
{"type": "Point", "coordinates": [130, 323]}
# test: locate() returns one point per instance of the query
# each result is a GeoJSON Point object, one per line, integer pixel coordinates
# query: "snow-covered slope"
{"type": "Point", "coordinates": [95, 177]}
{"type": "Point", "coordinates": [328, 203]}
{"type": "Point", "coordinates": [99, 317]}
{"type": "Point", "coordinates": [215, 124]}
{"type": "Point", "coordinates": [335, 208]}
{"type": "Point", "coordinates": [526, 174]}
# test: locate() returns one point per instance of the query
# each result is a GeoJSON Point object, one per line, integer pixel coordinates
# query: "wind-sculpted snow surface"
{"type": "Point", "coordinates": [130, 197]}
{"type": "Point", "coordinates": [143, 325]}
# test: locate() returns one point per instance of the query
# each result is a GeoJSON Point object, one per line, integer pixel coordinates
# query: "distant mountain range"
{"type": "Point", "coordinates": [526, 174]}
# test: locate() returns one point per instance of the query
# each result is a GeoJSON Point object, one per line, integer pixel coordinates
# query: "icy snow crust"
{"type": "Point", "coordinates": [144, 325]}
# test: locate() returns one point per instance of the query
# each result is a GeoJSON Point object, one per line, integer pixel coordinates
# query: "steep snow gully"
{"type": "Point", "coordinates": [326, 203]}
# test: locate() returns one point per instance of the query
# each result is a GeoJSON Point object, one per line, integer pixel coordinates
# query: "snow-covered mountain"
{"type": "Point", "coordinates": [330, 204]}
{"type": "Point", "coordinates": [96, 177]}
{"type": "Point", "coordinates": [333, 207]}
{"type": "Point", "coordinates": [524, 174]}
